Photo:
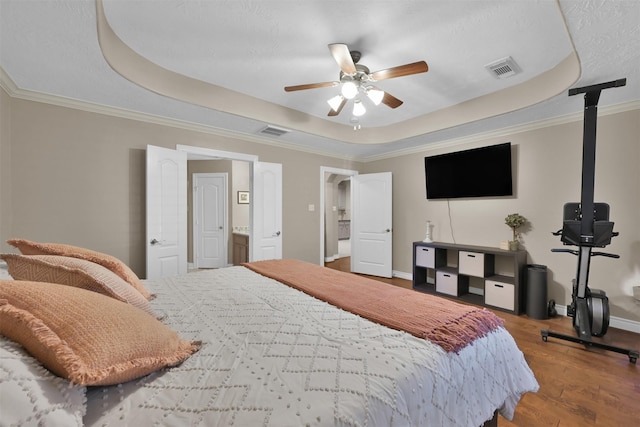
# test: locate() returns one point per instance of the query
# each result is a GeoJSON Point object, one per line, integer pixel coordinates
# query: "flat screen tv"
{"type": "Point", "coordinates": [479, 172]}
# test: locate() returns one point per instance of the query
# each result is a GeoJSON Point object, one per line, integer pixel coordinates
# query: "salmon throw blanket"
{"type": "Point", "coordinates": [446, 323]}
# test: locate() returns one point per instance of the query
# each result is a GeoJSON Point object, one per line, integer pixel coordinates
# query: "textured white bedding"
{"type": "Point", "coordinates": [274, 356]}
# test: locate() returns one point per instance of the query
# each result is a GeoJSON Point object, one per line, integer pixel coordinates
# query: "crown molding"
{"type": "Point", "coordinates": [15, 92]}
{"type": "Point", "coordinates": [7, 83]}
{"type": "Point", "coordinates": [506, 131]}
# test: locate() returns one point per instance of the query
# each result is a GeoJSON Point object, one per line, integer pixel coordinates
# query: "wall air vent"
{"type": "Point", "coordinates": [273, 131]}
{"type": "Point", "coordinates": [503, 68]}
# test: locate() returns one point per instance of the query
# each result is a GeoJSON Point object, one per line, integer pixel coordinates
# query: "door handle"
{"type": "Point", "coordinates": [276, 234]}
{"type": "Point", "coordinates": [154, 241]}
{"type": "Point", "coordinates": [388, 230]}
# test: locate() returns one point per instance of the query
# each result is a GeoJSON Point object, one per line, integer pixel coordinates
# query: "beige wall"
{"type": "Point", "coordinates": [5, 168]}
{"type": "Point", "coordinates": [548, 165]}
{"type": "Point", "coordinates": [241, 182]}
{"type": "Point", "coordinates": [78, 177]}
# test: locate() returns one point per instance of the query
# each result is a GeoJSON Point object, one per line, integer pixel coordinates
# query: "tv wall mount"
{"type": "Point", "coordinates": [586, 225]}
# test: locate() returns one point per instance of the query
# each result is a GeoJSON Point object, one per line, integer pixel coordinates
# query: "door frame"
{"type": "Point", "coordinates": [321, 209]}
{"type": "Point", "coordinates": [200, 153]}
{"type": "Point", "coordinates": [194, 216]}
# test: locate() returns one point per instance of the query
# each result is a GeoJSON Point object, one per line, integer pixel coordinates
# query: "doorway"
{"type": "Point", "coordinates": [265, 199]}
{"type": "Point", "coordinates": [166, 213]}
{"type": "Point", "coordinates": [335, 207]}
{"type": "Point", "coordinates": [234, 217]}
{"type": "Point", "coordinates": [370, 231]}
{"type": "Point", "coordinates": [210, 246]}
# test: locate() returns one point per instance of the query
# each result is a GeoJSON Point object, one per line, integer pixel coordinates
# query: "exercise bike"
{"type": "Point", "coordinates": [587, 226]}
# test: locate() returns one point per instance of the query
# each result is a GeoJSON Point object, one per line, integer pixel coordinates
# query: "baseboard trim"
{"type": "Point", "coordinates": [614, 322]}
{"type": "Point", "coordinates": [625, 324]}
{"type": "Point", "coordinates": [402, 275]}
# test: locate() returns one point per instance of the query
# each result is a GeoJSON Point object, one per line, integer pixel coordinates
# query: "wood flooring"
{"type": "Point", "coordinates": [578, 386]}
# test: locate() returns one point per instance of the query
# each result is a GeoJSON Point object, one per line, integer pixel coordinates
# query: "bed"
{"type": "Point", "coordinates": [271, 354]}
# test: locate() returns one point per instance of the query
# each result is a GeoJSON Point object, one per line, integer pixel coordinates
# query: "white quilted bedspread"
{"type": "Point", "coordinates": [274, 356]}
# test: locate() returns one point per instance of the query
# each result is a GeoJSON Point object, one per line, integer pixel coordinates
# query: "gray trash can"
{"type": "Point", "coordinates": [536, 283]}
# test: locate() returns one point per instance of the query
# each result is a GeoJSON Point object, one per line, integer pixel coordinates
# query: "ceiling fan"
{"type": "Point", "coordinates": [356, 79]}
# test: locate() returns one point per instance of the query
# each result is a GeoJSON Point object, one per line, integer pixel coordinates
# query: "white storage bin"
{"type": "Point", "coordinates": [499, 294]}
{"type": "Point", "coordinates": [475, 264]}
{"type": "Point", "coordinates": [447, 283]}
{"type": "Point", "coordinates": [425, 257]}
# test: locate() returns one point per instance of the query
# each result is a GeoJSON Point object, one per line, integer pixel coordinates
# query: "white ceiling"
{"type": "Point", "coordinates": [256, 48]}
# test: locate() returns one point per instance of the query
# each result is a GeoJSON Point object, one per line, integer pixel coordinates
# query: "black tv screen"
{"type": "Point", "coordinates": [479, 172]}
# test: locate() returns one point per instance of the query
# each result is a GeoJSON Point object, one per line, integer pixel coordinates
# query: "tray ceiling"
{"type": "Point", "coordinates": [242, 54]}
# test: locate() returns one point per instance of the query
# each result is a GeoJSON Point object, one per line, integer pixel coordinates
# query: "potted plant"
{"type": "Point", "coordinates": [515, 221]}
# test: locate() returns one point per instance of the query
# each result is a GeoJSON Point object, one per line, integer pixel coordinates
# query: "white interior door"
{"type": "Point", "coordinates": [210, 220]}
{"type": "Point", "coordinates": [166, 212]}
{"type": "Point", "coordinates": [266, 215]}
{"type": "Point", "coordinates": [372, 234]}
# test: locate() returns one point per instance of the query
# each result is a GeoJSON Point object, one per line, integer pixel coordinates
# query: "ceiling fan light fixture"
{"type": "Point", "coordinates": [358, 108]}
{"type": "Point", "coordinates": [375, 95]}
{"type": "Point", "coordinates": [335, 102]}
{"type": "Point", "coordinates": [349, 89]}
{"type": "Point", "coordinates": [356, 80]}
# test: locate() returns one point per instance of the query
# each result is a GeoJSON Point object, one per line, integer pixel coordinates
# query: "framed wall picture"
{"type": "Point", "coordinates": [243, 197]}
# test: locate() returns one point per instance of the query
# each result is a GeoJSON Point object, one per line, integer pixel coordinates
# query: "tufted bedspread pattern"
{"type": "Point", "coordinates": [274, 356]}
{"type": "Point", "coordinates": [444, 322]}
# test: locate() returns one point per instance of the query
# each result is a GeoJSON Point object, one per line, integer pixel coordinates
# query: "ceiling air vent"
{"type": "Point", "coordinates": [503, 68]}
{"type": "Point", "coordinates": [273, 131]}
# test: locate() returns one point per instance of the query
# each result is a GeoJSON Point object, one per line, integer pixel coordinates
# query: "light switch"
{"type": "Point", "coordinates": [312, 208]}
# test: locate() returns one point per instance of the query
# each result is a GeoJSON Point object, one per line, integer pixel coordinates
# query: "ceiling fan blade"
{"type": "Point", "coordinates": [341, 54]}
{"type": "Point", "coordinates": [390, 101]}
{"type": "Point", "coordinates": [402, 70]}
{"type": "Point", "coordinates": [333, 112]}
{"type": "Point", "coordinates": [310, 86]}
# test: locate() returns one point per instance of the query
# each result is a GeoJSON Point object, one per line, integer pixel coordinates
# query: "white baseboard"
{"type": "Point", "coordinates": [614, 322]}
{"type": "Point", "coordinates": [402, 275]}
{"type": "Point", "coordinates": [625, 324]}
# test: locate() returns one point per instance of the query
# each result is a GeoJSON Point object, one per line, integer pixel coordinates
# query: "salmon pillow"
{"type": "Point", "coordinates": [86, 337]}
{"type": "Point", "coordinates": [27, 247]}
{"type": "Point", "coordinates": [74, 272]}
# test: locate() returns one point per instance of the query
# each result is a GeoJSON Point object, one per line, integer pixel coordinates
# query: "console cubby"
{"type": "Point", "coordinates": [481, 275]}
